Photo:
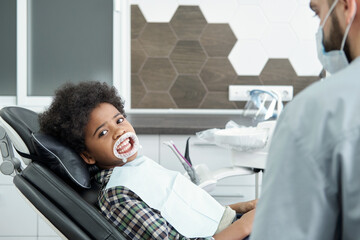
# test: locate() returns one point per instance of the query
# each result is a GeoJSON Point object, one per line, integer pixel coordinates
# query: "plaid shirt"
{"type": "Point", "coordinates": [133, 217]}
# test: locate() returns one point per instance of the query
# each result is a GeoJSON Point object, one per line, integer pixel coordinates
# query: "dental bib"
{"type": "Point", "coordinates": [188, 208]}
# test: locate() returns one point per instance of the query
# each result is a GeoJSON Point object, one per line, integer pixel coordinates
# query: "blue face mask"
{"type": "Point", "coordinates": [335, 60]}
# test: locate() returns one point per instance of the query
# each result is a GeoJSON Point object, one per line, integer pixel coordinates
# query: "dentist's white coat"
{"type": "Point", "coordinates": [311, 186]}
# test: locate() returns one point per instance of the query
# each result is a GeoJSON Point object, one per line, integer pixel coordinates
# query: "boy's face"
{"type": "Point", "coordinates": [105, 126]}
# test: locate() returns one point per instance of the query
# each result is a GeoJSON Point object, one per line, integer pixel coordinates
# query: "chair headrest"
{"type": "Point", "coordinates": [61, 159]}
{"type": "Point", "coordinates": [23, 121]}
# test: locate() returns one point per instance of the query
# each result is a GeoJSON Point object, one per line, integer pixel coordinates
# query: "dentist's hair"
{"type": "Point", "coordinates": [69, 113]}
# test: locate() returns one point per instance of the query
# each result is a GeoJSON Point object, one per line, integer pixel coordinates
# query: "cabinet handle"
{"type": "Point", "coordinates": [226, 196]}
{"type": "Point", "coordinates": [203, 144]}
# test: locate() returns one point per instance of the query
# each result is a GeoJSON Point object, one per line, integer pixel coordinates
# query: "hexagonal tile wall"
{"type": "Point", "coordinates": [216, 11]}
{"type": "Point", "coordinates": [218, 40]}
{"type": "Point", "coordinates": [248, 57]}
{"type": "Point", "coordinates": [157, 39]}
{"type": "Point", "coordinates": [188, 91]}
{"type": "Point", "coordinates": [279, 10]}
{"type": "Point", "coordinates": [188, 22]}
{"type": "Point", "coordinates": [179, 59]}
{"type": "Point", "coordinates": [157, 100]}
{"type": "Point", "coordinates": [218, 74]}
{"type": "Point", "coordinates": [278, 72]}
{"type": "Point", "coordinates": [217, 100]}
{"type": "Point", "coordinates": [304, 59]}
{"type": "Point", "coordinates": [162, 78]}
{"type": "Point", "coordinates": [279, 41]}
{"type": "Point", "coordinates": [188, 57]}
{"type": "Point", "coordinates": [138, 56]}
{"type": "Point", "coordinates": [248, 80]}
{"type": "Point", "coordinates": [154, 10]}
{"type": "Point", "coordinates": [137, 90]}
{"type": "Point", "coordinates": [255, 20]}
{"type": "Point", "coordinates": [137, 21]}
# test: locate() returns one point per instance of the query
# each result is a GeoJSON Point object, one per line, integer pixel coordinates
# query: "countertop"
{"type": "Point", "coordinates": [181, 123]}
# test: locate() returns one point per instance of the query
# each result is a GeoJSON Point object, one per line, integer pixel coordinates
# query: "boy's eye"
{"type": "Point", "coordinates": [120, 120]}
{"type": "Point", "coordinates": [102, 133]}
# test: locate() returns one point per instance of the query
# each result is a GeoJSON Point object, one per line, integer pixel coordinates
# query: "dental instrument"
{"type": "Point", "coordinates": [185, 163]}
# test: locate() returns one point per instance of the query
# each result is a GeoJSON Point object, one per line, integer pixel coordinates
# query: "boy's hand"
{"type": "Point", "coordinates": [244, 207]}
{"type": "Point", "coordinates": [239, 229]}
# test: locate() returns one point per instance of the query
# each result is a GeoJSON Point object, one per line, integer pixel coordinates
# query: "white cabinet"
{"type": "Point", "coordinates": [228, 194]}
{"type": "Point", "coordinates": [17, 217]}
{"type": "Point", "coordinates": [228, 190]}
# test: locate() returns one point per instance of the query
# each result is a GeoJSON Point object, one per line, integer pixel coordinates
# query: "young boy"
{"type": "Point", "coordinates": [144, 200]}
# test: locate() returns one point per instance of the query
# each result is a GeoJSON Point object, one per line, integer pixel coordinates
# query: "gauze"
{"type": "Point", "coordinates": [135, 146]}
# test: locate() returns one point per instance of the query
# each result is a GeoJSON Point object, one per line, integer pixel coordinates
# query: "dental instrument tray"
{"type": "Point", "coordinates": [238, 137]}
{"type": "Point", "coordinates": [246, 138]}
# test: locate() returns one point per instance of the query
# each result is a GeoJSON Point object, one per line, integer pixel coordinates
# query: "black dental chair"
{"type": "Point", "coordinates": [52, 177]}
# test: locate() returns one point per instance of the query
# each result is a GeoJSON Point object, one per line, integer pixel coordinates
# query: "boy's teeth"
{"type": "Point", "coordinates": [125, 144]}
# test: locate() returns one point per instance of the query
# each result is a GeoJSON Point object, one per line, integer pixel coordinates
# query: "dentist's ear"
{"type": "Point", "coordinates": [350, 9]}
{"type": "Point", "coordinates": [87, 158]}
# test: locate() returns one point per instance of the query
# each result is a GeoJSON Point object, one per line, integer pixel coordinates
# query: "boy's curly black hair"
{"type": "Point", "coordinates": [68, 114]}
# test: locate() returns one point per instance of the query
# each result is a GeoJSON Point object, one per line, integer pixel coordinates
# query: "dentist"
{"type": "Point", "coordinates": [311, 187]}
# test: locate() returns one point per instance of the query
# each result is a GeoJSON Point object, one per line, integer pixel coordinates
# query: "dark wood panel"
{"type": "Point", "coordinates": [188, 57]}
{"type": "Point", "coordinates": [188, 91]}
{"type": "Point", "coordinates": [218, 40]}
{"type": "Point", "coordinates": [188, 22]}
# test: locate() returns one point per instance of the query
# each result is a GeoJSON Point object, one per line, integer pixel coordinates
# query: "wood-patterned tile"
{"type": "Point", "coordinates": [218, 40]}
{"type": "Point", "coordinates": [188, 57]}
{"type": "Point", "coordinates": [157, 100]}
{"type": "Point", "coordinates": [158, 74]}
{"type": "Point", "coordinates": [138, 56]}
{"type": "Point", "coordinates": [278, 72]}
{"type": "Point", "coordinates": [138, 21]}
{"type": "Point", "coordinates": [157, 39]}
{"type": "Point", "coordinates": [217, 100]}
{"type": "Point", "coordinates": [218, 74]}
{"type": "Point", "coordinates": [188, 91]}
{"type": "Point", "coordinates": [188, 22]}
{"type": "Point", "coordinates": [247, 80]}
{"type": "Point", "coordinates": [137, 90]}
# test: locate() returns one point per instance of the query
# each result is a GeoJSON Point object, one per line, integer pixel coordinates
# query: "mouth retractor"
{"type": "Point", "coordinates": [134, 149]}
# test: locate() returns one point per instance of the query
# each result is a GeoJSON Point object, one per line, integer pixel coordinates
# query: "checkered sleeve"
{"type": "Point", "coordinates": [133, 217]}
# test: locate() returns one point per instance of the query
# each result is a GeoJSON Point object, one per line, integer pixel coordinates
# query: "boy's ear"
{"type": "Point", "coordinates": [87, 158]}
